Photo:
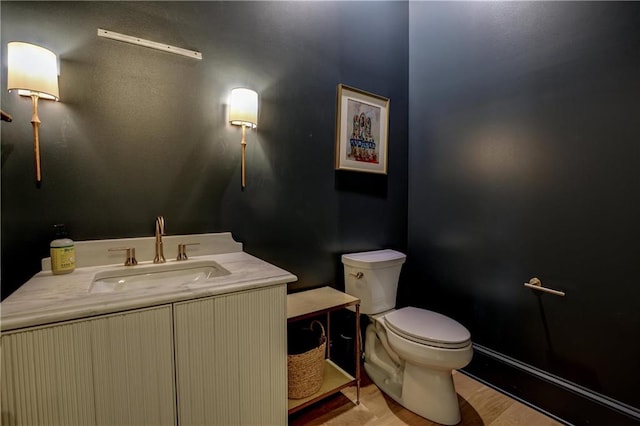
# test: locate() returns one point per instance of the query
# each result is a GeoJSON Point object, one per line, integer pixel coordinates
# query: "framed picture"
{"type": "Point", "coordinates": [362, 131]}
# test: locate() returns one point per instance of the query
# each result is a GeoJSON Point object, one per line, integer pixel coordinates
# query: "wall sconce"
{"type": "Point", "coordinates": [33, 71]}
{"type": "Point", "coordinates": [243, 111]}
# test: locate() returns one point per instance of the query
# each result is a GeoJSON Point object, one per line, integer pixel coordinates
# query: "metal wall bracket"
{"type": "Point", "coordinates": [147, 43]}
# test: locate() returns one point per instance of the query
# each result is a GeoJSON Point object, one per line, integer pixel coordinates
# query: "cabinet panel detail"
{"type": "Point", "coordinates": [134, 368]}
{"type": "Point", "coordinates": [116, 369]}
{"type": "Point", "coordinates": [47, 376]}
{"type": "Point", "coordinates": [231, 358]}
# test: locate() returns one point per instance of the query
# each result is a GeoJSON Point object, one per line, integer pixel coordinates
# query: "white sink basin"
{"type": "Point", "coordinates": [147, 276]}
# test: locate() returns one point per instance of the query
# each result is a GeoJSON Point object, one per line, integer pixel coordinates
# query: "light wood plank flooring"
{"type": "Point", "coordinates": [479, 405]}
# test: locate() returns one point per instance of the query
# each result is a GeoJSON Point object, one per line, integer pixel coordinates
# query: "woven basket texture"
{"type": "Point", "coordinates": [306, 370]}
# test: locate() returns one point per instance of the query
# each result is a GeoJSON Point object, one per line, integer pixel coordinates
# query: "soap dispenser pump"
{"type": "Point", "coordinates": [62, 249]}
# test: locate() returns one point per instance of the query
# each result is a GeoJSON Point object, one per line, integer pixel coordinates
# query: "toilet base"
{"type": "Point", "coordinates": [382, 381]}
{"type": "Point", "coordinates": [430, 394]}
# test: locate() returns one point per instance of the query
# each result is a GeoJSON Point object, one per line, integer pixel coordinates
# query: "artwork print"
{"type": "Point", "coordinates": [364, 131]}
{"type": "Point", "coordinates": [362, 123]}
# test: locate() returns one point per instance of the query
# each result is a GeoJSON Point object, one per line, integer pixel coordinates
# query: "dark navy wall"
{"type": "Point", "coordinates": [139, 133]}
{"type": "Point", "coordinates": [523, 162]}
{"type": "Point", "coordinates": [523, 157]}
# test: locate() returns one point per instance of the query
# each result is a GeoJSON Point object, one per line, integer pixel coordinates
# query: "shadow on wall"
{"type": "Point", "coordinates": [7, 149]}
{"type": "Point", "coordinates": [371, 184]}
{"type": "Point", "coordinates": [569, 369]}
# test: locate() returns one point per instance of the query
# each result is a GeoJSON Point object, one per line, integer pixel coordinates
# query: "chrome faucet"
{"type": "Point", "coordinates": [159, 258]}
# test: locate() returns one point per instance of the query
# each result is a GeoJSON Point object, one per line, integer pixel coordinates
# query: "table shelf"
{"type": "Point", "coordinates": [324, 300]}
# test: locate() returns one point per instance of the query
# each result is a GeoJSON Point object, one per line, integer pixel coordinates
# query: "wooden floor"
{"type": "Point", "coordinates": [479, 405]}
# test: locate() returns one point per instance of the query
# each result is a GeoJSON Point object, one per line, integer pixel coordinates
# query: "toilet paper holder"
{"type": "Point", "coordinates": [536, 284]}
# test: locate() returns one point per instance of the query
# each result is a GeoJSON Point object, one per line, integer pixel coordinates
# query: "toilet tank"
{"type": "Point", "coordinates": [372, 276]}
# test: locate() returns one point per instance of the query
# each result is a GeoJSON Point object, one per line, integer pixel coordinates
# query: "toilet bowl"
{"type": "Point", "coordinates": [410, 352]}
{"type": "Point", "coordinates": [429, 346]}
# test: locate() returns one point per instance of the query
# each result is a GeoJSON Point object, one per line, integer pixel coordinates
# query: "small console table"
{"type": "Point", "coordinates": [324, 300]}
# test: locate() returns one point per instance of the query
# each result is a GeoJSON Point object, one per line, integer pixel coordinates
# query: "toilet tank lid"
{"type": "Point", "coordinates": [380, 258]}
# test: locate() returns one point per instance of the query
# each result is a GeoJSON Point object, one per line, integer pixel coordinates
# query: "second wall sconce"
{"type": "Point", "coordinates": [33, 71]}
{"type": "Point", "coordinates": [243, 111]}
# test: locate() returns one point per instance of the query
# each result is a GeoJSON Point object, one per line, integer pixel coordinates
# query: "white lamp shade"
{"type": "Point", "coordinates": [243, 107]}
{"type": "Point", "coordinates": [33, 69]}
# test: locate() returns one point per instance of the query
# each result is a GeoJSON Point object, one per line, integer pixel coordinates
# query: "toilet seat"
{"type": "Point", "coordinates": [428, 328]}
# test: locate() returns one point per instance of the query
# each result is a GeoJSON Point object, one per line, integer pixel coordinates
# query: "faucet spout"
{"type": "Point", "coordinates": [159, 257]}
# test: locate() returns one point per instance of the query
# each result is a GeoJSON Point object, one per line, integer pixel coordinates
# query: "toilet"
{"type": "Point", "coordinates": [410, 352]}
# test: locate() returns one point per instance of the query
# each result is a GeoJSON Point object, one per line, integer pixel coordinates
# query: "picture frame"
{"type": "Point", "coordinates": [362, 131]}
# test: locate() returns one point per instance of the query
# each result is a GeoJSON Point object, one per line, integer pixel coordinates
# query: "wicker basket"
{"type": "Point", "coordinates": [306, 370]}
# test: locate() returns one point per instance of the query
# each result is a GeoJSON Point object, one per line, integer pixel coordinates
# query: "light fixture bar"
{"type": "Point", "coordinates": [148, 43]}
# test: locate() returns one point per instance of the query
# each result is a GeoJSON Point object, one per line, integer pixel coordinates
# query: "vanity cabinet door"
{"type": "Point", "coordinates": [133, 368]}
{"type": "Point", "coordinates": [116, 369]}
{"type": "Point", "coordinates": [47, 376]}
{"type": "Point", "coordinates": [231, 353]}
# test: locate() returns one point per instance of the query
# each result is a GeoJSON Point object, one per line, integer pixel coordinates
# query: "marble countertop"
{"type": "Point", "coordinates": [48, 298]}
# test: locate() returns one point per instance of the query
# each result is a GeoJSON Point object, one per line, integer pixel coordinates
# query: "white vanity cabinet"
{"type": "Point", "coordinates": [231, 358]}
{"type": "Point", "coordinates": [165, 346]}
{"type": "Point", "coordinates": [112, 369]}
{"type": "Point", "coordinates": [230, 354]}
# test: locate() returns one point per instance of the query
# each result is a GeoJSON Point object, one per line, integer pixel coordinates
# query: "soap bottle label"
{"type": "Point", "coordinates": [63, 259]}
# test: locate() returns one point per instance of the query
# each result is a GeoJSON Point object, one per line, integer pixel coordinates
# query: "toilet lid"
{"type": "Point", "coordinates": [428, 328]}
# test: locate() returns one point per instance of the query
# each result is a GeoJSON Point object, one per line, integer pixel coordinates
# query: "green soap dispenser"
{"type": "Point", "coordinates": [63, 256]}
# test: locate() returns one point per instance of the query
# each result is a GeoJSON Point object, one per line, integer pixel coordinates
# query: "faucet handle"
{"type": "Point", "coordinates": [131, 255]}
{"type": "Point", "coordinates": [182, 250]}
